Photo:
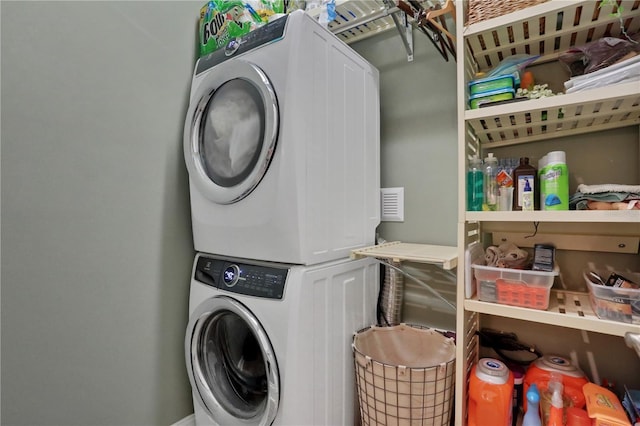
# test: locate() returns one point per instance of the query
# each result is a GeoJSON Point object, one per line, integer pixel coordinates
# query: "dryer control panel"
{"type": "Point", "coordinates": [250, 279]}
{"type": "Point", "coordinates": [271, 32]}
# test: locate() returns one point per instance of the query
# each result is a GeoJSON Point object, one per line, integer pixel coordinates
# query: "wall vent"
{"type": "Point", "coordinates": [392, 204]}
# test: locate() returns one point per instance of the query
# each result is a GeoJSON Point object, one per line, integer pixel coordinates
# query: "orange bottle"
{"type": "Point", "coordinates": [541, 370]}
{"type": "Point", "coordinates": [490, 394]}
{"type": "Point", "coordinates": [556, 412]}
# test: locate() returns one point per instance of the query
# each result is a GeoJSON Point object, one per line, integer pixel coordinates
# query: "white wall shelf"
{"type": "Point", "coordinates": [566, 309]}
{"type": "Point", "coordinates": [547, 29]}
{"type": "Point", "coordinates": [445, 256]}
{"type": "Point", "coordinates": [622, 216]}
{"type": "Point", "coordinates": [553, 117]}
{"type": "Point", "coordinates": [359, 19]}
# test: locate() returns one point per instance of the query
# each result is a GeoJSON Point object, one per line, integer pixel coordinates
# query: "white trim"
{"type": "Point", "coordinates": [190, 420]}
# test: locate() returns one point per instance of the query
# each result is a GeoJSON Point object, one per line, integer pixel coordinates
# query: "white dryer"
{"type": "Point", "coordinates": [270, 343]}
{"type": "Point", "coordinates": [281, 143]}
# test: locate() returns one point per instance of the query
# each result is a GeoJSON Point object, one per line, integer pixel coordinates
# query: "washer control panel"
{"type": "Point", "coordinates": [250, 279]}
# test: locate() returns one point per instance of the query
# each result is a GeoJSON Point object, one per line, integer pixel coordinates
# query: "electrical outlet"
{"type": "Point", "coordinates": [392, 204]}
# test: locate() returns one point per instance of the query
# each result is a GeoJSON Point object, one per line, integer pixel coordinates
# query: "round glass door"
{"type": "Point", "coordinates": [231, 131]}
{"type": "Point", "coordinates": [232, 365]}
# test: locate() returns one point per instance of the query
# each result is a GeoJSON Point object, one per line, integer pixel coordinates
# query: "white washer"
{"type": "Point", "coordinates": [282, 145]}
{"type": "Point", "coordinates": [270, 343]}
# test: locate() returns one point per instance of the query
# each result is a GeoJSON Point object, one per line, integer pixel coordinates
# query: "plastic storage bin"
{"type": "Point", "coordinates": [491, 84]}
{"type": "Point", "coordinates": [497, 95]}
{"type": "Point", "coordinates": [516, 287]}
{"type": "Point", "coordinates": [614, 303]}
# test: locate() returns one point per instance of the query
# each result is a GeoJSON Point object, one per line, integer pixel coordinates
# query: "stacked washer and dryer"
{"type": "Point", "coordinates": [281, 143]}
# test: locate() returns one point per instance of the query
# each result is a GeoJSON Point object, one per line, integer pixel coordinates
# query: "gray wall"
{"type": "Point", "coordinates": [418, 136]}
{"type": "Point", "coordinates": [418, 152]}
{"type": "Point", "coordinates": [96, 239]}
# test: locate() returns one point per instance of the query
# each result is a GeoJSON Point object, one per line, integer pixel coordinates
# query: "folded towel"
{"type": "Point", "coordinates": [612, 197]}
{"type": "Point", "coordinates": [623, 72]}
{"type": "Point", "coordinates": [608, 187]}
{"type": "Point", "coordinates": [601, 205]}
{"type": "Point", "coordinates": [491, 256]}
{"type": "Point", "coordinates": [611, 69]}
{"type": "Point", "coordinates": [506, 255]}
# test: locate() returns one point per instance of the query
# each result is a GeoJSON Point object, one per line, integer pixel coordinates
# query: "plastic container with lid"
{"type": "Point", "coordinates": [475, 101]}
{"type": "Point", "coordinates": [604, 407]}
{"type": "Point", "coordinates": [573, 379]}
{"type": "Point", "coordinates": [491, 84]}
{"type": "Point", "coordinates": [490, 394]}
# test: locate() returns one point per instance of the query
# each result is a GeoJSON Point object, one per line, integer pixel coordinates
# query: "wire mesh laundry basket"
{"type": "Point", "coordinates": [404, 375]}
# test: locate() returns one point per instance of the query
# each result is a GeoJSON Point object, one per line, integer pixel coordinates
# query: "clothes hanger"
{"type": "Point", "coordinates": [433, 34]}
{"type": "Point", "coordinates": [433, 26]}
{"type": "Point", "coordinates": [435, 15]}
{"type": "Point", "coordinates": [447, 8]}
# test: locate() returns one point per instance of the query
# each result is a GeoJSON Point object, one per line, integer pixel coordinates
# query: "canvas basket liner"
{"type": "Point", "coordinates": [404, 375]}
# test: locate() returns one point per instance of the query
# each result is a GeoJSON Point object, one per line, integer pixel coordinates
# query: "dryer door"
{"type": "Point", "coordinates": [230, 131]}
{"type": "Point", "coordinates": [231, 363]}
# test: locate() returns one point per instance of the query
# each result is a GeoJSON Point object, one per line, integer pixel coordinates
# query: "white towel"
{"type": "Point", "coordinates": [627, 69]}
{"type": "Point", "coordinates": [608, 187]}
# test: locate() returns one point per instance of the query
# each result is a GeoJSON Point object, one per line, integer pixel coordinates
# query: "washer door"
{"type": "Point", "coordinates": [231, 131]}
{"type": "Point", "coordinates": [231, 364]}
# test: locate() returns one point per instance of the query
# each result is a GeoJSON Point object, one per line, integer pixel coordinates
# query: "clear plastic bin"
{"type": "Point", "coordinates": [614, 303]}
{"type": "Point", "coordinates": [516, 287]}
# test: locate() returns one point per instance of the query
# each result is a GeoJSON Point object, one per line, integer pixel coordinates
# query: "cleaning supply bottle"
{"type": "Point", "coordinates": [490, 394]}
{"type": "Point", "coordinates": [542, 163]}
{"type": "Point", "coordinates": [556, 182]}
{"type": "Point", "coordinates": [532, 416]}
{"type": "Point", "coordinates": [522, 174]}
{"type": "Point", "coordinates": [552, 367]}
{"type": "Point", "coordinates": [557, 405]}
{"type": "Point", "coordinates": [475, 186]}
{"type": "Point", "coordinates": [577, 417]}
{"type": "Point", "coordinates": [490, 172]}
{"type": "Point", "coordinates": [504, 178]}
{"type": "Point", "coordinates": [518, 386]}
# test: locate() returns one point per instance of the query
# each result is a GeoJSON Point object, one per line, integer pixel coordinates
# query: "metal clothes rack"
{"type": "Point", "coordinates": [359, 19]}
